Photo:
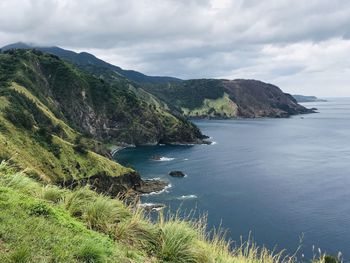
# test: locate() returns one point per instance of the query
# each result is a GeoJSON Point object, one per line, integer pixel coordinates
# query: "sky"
{"type": "Point", "coordinates": [301, 46]}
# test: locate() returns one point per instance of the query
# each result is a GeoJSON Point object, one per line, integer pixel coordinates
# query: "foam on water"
{"type": "Point", "coordinates": [163, 159]}
{"type": "Point", "coordinates": [159, 192]}
{"type": "Point", "coordinates": [184, 197]}
{"type": "Point", "coordinates": [158, 208]}
{"type": "Point", "coordinates": [166, 159]}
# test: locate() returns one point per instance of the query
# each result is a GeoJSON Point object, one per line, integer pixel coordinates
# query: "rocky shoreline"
{"type": "Point", "coordinates": [151, 186]}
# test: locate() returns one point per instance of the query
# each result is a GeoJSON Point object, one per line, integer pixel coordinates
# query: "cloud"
{"type": "Point", "coordinates": [294, 44]}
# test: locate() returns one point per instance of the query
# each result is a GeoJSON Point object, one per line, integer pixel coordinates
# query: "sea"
{"type": "Point", "coordinates": [285, 183]}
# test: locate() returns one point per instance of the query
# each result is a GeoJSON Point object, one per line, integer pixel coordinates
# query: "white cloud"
{"type": "Point", "coordinates": [302, 46]}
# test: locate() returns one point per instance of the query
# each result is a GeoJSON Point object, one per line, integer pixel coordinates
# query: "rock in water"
{"type": "Point", "coordinates": [151, 186]}
{"type": "Point", "coordinates": [177, 174]}
{"type": "Point", "coordinates": [152, 207]}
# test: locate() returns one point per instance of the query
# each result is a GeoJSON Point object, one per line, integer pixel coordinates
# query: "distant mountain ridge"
{"type": "Point", "coordinates": [196, 98]}
{"type": "Point", "coordinates": [303, 98]}
{"type": "Point", "coordinates": [86, 60]}
{"type": "Point", "coordinates": [215, 98]}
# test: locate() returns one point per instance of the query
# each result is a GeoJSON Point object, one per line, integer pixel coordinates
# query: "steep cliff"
{"type": "Point", "coordinates": [56, 120]}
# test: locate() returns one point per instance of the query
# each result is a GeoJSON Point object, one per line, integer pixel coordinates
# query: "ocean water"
{"type": "Point", "coordinates": [281, 180]}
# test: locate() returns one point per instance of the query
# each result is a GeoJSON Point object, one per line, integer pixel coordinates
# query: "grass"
{"type": "Point", "coordinates": [37, 159]}
{"type": "Point", "coordinates": [222, 107]}
{"type": "Point", "coordinates": [46, 223]}
{"type": "Point", "coordinates": [33, 228]}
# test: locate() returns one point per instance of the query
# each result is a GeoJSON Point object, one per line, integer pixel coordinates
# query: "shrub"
{"type": "Point", "coordinates": [20, 255]}
{"type": "Point", "coordinates": [79, 147]}
{"type": "Point", "coordinates": [59, 131]}
{"type": "Point", "coordinates": [3, 128]}
{"type": "Point", "coordinates": [91, 253]}
{"type": "Point", "coordinates": [39, 209]}
{"type": "Point", "coordinates": [75, 201]}
{"type": "Point", "coordinates": [103, 213]}
{"type": "Point", "coordinates": [18, 180]}
{"type": "Point", "coordinates": [52, 194]}
{"type": "Point", "coordinates": [139, 233]}
{"type": "Point", "coordinates": [55, 149]}
{"type": "Point", "coordinates": [19, 118]}
{"type": "Point", "coordinates": [178, 243]}
{"type": "Point", "coordinates": [100, 214]}
{"type": "Point", "coordinates": [44, 136]}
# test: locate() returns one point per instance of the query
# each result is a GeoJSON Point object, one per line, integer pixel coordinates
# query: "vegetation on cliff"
{"type": "Point", "coordinates": [106, 111]}
{"type": "Point", "coordinates": [94, 65]}
{"type": "Point", "coordinates": [214, 98]}
{"type": "Point", "coordinates": [56, 120]}
{"type": "Point", "coordinates": [196, 98]}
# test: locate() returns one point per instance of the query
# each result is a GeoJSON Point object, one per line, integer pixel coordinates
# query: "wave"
{"type": "Point", "coordinates": [186, 159]}
{"type": "Point", "coordinates": [184, 197]}
{"type": "Point", "coordinates": [213, 143]}
{"type": "Point", "coordinates": [116, 149]}
{"type": "Point", "coordinates": [162, 159]}
{"type": "Point", "coordinates": [152, 206]}
{"type": "Point", "coordinates": [165, 190]}
{"type": "Point", "coordinates": [166, 159]}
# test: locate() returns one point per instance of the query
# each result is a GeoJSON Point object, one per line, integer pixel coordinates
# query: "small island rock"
{"type": "Point", "coordinates": [177, 174]}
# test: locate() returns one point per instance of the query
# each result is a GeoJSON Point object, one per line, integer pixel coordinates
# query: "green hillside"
{"type": "Point", "coordinates": [56, 120]}
{"type": "Point", "coordinates": [196, 98]}
{"type": "Point", "coordinates": [44, 223]}
{"type": "Point", "coordinates": [90, 63]}
{"type": "Point", "coordinates": [215, 98]}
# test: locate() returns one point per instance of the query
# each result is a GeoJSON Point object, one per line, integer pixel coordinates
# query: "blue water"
{"type": "Point", "coordinates": [277, 178]}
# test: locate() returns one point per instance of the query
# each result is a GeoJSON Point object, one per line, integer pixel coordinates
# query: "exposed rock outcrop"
{"type": "Point", "coordinates": [129, 185]}
{"type": "Point", "coordinates": [177, 174]}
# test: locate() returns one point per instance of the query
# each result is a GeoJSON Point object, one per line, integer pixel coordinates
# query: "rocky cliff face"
{"type": "Point", "coordinates": [109, 112]}
{"type": "Point", "coordinates": [258, 99]}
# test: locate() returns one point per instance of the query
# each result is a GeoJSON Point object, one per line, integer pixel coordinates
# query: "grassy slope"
{"type": "Point", "coordinates": [221, 107]}
{"type": "Point", "coordinates": [48, 107]}
{"type": "Point", "coordinates": [33, 228]}
{"type": "Point", "coordinates": [107, 108]}
{"type": "Point", "coordinates": [32, 153]}
{"type": "Point", "coordinates": [36, 139]}
{"type": "Point", "coordinates": [188, 94]}
{"type": "Point", "coordinates": [49, 224]}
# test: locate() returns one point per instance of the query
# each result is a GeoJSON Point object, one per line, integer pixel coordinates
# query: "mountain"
{"type": "Point", "coordinates": [215, 98]}
{"type": "Point", "coordinates": [197, 98]}
{"type": "Point", "coordinates": [302, 98]}
{"type": "Point", "coordinates": [57, 121]}
{"type": "Point", "coordinates": [94, 65]}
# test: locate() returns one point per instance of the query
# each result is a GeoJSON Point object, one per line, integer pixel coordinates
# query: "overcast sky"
{"type": "Point", "coordinates": [301, 46]}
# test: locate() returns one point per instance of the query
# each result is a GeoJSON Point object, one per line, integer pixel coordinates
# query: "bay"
{"type": "Point", "coordinates": [278, 179]}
